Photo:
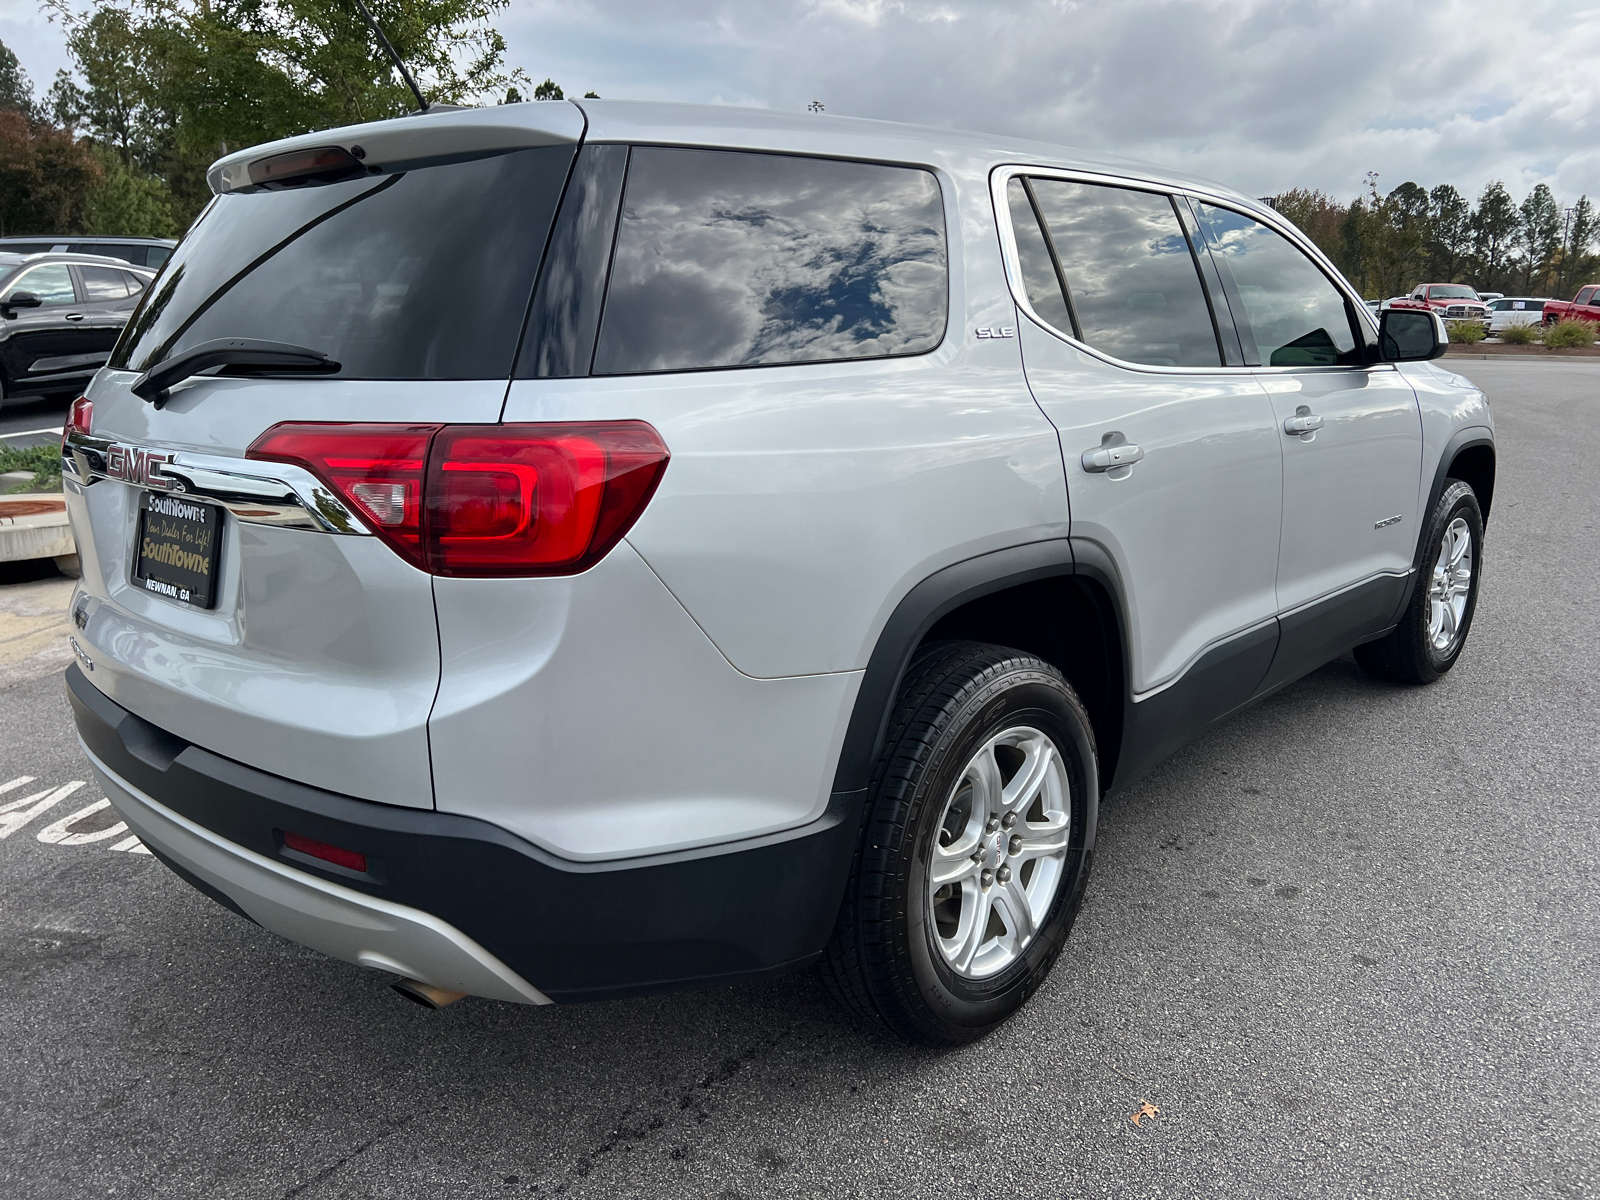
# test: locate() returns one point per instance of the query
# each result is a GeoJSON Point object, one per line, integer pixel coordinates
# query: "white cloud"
{"type": "Point", "coordinates": [1264, 94]}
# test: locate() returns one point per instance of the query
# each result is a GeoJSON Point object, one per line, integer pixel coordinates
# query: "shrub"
{"type": "Point", "coordinates": [43, 461]}
{"type": "Point", "coordinates": [1468, 333]}
{"type": "Point", "coordinates": [1569, 333]}
{"type": "Point", "coordinates": [1519, 335]}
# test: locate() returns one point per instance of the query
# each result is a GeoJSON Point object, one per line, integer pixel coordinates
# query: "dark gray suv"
{"type": "Point", "coordinates": [60, 314]}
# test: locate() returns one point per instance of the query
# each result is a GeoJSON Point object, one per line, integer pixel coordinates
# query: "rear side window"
{"type": "Point", "coordinates": [425, 274]}
{"type": "Point", "coordinates": [726, 259]}
{"type": "Point", "coordinates": [1131, 277]}
{"type": "Point", "coordinates": [133, 254]}
{"type": "Point", "coordinates": [1298, 317]}
{"type": "Point", "coordinates": [104, 283]}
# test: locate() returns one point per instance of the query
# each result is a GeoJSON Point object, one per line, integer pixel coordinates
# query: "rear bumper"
{"type": "Point", "coordinates": [459, 902]}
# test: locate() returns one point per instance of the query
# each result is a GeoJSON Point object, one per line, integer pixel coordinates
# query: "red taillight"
{"type": "Point", "coordinates": [79, 417]}
{"type": "Point", "coordinates": [480, 500]}
{"type": "Point", "coordinates": [350, 860]}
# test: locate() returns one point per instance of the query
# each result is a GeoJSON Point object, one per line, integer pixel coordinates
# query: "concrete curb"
{"type": "Point", "coordinates": [34, 526]}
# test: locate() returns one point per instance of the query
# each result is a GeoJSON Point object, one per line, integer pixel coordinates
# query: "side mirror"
{"type": "Point", "coordinates": [19, 300]}
{"type": "Point", "coordinates": [1411, 335]}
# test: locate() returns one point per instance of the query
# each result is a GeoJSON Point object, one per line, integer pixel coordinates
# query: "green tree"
{"type": "Point", "coordinates": [548, 90]}
{"type": "Point", "coordinates": [1576, 266]}
{"type": "Point", "coordinates": [1494, 233]}
{"type": "Point", "coordinates": [1315, 214]}
{"type": "Point", "coordinates": [45, 176]}
{"type": "Point", "coordinates": [128, 203]}
{"type": "Point", "coordinates": [1450, 233]}
{"type": "Point", "coordinates": [172, 84]}
{"type": "Point", "coordinates": [1539, 237]}
{"type": "Point", "coordinates": [16, 89]}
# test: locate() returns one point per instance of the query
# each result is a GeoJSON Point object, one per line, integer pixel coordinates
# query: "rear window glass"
{"type": "Point", "coordinates": [104, 283]}
{"type": "Point", "coordinates": [1131, 276]}
{"type": "Point", "coordinates": [726, 258]}
{"type": "Point", "coordinates": [424, 274]}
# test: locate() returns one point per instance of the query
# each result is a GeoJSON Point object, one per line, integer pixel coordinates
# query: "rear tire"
{"type": "Point", "coordinates": [1431, 633]}
{"type": "Point", "coordinates": [975, 846]}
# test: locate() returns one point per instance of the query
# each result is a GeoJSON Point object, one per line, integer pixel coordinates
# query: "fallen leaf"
{"type": "Point", "coordinates": [1145, 1110]}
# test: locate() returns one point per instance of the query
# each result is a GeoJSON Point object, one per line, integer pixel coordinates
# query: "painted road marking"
{"type": "Point", "coordinates": [14, 814]}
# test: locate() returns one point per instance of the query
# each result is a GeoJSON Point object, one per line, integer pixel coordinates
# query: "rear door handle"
{"type": "Point", "coordinates": [74, 316]}
{"type": "Point", "coordinates": [1106, 456]}
{"type": "Point", "coordinates": [1303, 421]}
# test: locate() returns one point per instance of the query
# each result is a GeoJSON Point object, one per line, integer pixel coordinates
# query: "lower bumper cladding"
{"type": "Point", "coordinates": [456, 902]}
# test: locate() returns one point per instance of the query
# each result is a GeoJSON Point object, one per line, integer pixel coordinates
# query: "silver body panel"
{"type": "Point", "coordinates": [693, 688]}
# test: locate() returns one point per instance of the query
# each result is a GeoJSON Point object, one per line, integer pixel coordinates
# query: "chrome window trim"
{"type": "Point", "coordinates": [1000, 178]}
{"type": "Point", "coordinates": [256, 493]}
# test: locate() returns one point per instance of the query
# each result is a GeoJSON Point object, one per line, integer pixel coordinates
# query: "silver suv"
{"type": "Point", "coordinates": [564, 551]}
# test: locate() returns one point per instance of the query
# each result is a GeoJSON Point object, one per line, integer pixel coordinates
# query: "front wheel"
{"type": "Point", "coordinates": [975, 848]}
{"type": "Point", "coordinates": [1433, 630]}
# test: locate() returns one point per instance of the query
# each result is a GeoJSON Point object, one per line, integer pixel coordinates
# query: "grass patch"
{"type": "Point", "coordinates": [1519, 335]}
{"type": "Point", "coordinates": [1468, 333]}
{"type": "Point", "coordinates": [1569, 333]}
{"type": "Point", "coordinates": [43, 461]}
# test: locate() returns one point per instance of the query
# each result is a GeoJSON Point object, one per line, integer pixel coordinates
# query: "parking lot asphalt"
{"type": "Point", "coordinates": [1347, 944]}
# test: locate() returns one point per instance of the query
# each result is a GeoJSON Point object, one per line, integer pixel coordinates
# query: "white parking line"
{"type": "Point", "coordinates": [14, 814]}
{"type": "Point", "coordinates": [31, 433]}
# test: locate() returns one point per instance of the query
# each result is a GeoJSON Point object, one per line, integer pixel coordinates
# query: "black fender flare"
{"type": "Point", "coordinates": [939, 594]}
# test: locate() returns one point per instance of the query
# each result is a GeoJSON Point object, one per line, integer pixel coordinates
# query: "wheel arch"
{"type": "Point", "coordinates": [1060, 599]}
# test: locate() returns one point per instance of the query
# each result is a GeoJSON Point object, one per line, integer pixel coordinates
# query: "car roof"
{"type": "Point", "coordinates": [97, 260]}
{"type": "Point", "coordinates": [94, 239]}
{"type": "Point", "coordinates": [440, 134]}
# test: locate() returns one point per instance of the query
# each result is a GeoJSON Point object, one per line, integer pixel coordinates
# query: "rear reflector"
{"type": "Point", "coordinates": [483, 500]}
{"type": "Point", "coordinates": [350, 860]}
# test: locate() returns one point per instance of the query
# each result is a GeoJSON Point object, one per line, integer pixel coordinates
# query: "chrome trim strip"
{"type": "Point", "coordinates": [1002, 175]}
{"type": "Point", "coordinates": [256, 493]}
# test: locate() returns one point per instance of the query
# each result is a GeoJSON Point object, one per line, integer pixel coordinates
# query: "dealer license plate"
{"type": "Point", "coordinates": [176, 554]}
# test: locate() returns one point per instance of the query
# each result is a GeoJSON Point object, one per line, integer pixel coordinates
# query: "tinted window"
{"type": "Point", "coordinates": [1298, 317]}
{"type": "Point", "coordinates": [154, 256]}
{"type": "Point", "coordinates": [1132, 277]}
{"type": "Point", "coordinates": [1033, 255]}
{"type": "Point", "coordinates": [104, 283]}
{"type": "Point", "coordinates": [133, 254]}
{"type": "Point", "coordinates": [559, 342]}
{"type": "Point", "coordinates": [730, 259]}
{"type": "Point", "coordinates": [135, 283]}
{"type": "Point", "coordinates": [420, 275]}
{"type": "Point", "coordinates": [51, 282]}
{"type": "Point", "coordinates": [26, 247]}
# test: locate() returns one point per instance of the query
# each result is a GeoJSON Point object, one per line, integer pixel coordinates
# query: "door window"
{"type": "Point", "coordinates": [727, 259]}
{"type": "Point", "coordinates": [1130, 274]}
{"type": "Point", "coordinates": [51, 282]}
{"type": "Point", "coordinates": [1039, 278]}
{"type": "Point", "coordinates": [1298, 317]}
{"type": "Point", "coordinates": [104, 283]}
{"type": "Point", "coordinates": [1584, 296]}
{"type": "Point", "coordinates": [134, 282]}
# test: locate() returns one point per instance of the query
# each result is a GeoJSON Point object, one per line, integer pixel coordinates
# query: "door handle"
{"type": "Point", "coordinates": [74, 316]}
{"type": "Point", "coordinates": [1113, 451]}
{"type": "Point", "coordinates": [1304, 421]}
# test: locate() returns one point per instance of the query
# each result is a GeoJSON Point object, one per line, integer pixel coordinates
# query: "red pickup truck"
{"type": "Point", "coordinates": [1585, 306]}
{"type": "Point", "coordinates": [1452, 301]}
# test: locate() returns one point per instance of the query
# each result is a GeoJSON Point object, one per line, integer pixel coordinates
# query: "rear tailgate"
{"type": "Point", "coordinates": [316, 654]}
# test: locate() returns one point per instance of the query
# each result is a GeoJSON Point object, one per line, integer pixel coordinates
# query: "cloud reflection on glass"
{"type": "Point", "coordinates": [733, 259]}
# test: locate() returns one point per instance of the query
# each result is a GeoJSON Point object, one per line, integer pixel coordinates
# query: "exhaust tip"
{"type": "Point", "coordinates": [426, 994]}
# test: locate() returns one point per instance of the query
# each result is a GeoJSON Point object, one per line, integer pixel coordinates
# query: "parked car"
{"type": "Point", "coordinates": [1585, 306]}
{"type": "Point", "coordinates": [698, 599]}
{"type": "Point", "coordinates": [1488, 296]}
{"type": "Point", "coordinates": [141, 252]}
{"type": "Point", "coordinates": [60, 314]}
{"type": "Point", "coordinates": [1515, 310]}
{"type": "Point", "coordinates": [1452, 301]}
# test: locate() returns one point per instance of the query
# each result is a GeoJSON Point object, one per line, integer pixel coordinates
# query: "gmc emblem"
{"type": "Point", "coordinates": [136, 466]}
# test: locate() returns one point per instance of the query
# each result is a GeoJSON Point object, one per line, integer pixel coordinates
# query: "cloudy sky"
{"type": "Point", "coordinates": [1263, 94]}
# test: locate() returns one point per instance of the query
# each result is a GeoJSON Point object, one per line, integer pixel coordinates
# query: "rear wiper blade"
{"type": "Point", "coordinates": [245, 353]}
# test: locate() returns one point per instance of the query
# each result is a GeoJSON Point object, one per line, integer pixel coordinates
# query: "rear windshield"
{"type": "Point", "coordinates": [419, 275]}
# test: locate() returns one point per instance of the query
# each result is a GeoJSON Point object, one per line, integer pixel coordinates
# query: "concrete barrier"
{"type": "Point", "coordinates": [34, 525]}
